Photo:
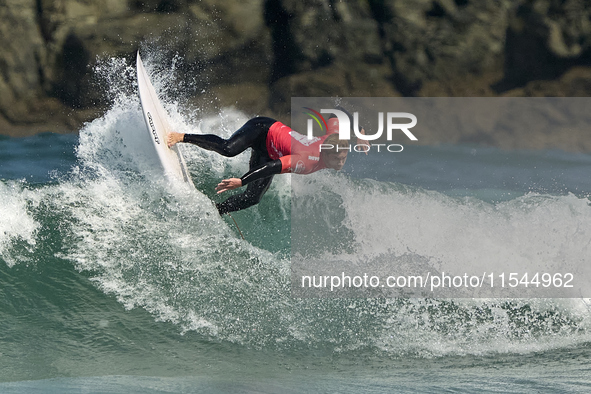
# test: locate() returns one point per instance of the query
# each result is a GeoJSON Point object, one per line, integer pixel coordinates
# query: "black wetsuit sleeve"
{"type": "Point", "coordinates": [268, 169]}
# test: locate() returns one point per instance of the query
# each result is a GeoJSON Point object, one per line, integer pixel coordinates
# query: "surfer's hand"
{"type": "Point", "coordinates": [228, 184]}
{"type": "Point", "coordinates": [365, 143]}
{"type": "Point", "coordinates": [172, 138]}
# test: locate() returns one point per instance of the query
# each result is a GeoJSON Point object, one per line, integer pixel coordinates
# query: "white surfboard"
{"type": "Point", "coordinates": [171, 159]}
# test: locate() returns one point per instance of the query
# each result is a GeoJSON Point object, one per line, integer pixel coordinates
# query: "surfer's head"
{"type": "Point", "coordinates": [335, 154]}
{"type": "Point", "coordinates": [332, 126]}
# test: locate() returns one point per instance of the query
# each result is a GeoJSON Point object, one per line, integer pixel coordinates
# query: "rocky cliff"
{"type": "Point", "coordinates": [256, 54]}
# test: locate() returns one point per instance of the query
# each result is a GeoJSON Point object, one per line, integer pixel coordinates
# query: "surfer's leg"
{"type": "Point", "coordinates": [254, 132]}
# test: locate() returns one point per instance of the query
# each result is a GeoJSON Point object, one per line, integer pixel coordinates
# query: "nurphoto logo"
{"type": "Point", "coordinates": [344, 125]}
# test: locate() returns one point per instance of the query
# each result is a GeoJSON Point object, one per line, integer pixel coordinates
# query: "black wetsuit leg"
{"type": "Point", "coordinates": [252, 135]}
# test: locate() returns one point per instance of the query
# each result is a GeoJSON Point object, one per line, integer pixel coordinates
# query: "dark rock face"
{"type": "Point", "coordinates": [544, 39]}
{"type": "Point", "coordinates": [257, 54]}
{"type": "Point", "coordinates": [51, 46]}
{"type": "Point", "coordinates": [441, 40]}
{"type": "Point", "coordinates": [325, 48]}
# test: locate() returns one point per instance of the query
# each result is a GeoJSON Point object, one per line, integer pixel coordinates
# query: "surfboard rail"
{"type": "Point", "coordinates": [158, 126]}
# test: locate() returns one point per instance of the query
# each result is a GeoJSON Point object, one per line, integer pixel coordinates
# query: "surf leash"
{"type": "Point", "coordinates": [237, 226]}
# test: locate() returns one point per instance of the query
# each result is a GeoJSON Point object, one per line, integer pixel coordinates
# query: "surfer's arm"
{"type": "Point", "coordinates": [364, 143]}
{"type": "Point", "coordinates": [263, 171]}
{"type": "Point", "coordinates": [268, 169]}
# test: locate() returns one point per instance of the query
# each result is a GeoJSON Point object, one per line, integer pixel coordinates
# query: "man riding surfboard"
{"type": "Point", "coordinates": [276, 149]}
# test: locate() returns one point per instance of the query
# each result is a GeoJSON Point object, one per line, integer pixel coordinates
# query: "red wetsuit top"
{"type": "Point", "coordinates": [290, 151]}
{"type": "Point", "coordinates": [297, 153]}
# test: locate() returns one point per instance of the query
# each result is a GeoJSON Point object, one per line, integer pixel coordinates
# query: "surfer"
{"type": "Point", "coordinates": [276, 149]}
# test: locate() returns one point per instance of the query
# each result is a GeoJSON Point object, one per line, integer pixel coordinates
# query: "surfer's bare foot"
{"type": "Point", "coordinates": [172, 138]}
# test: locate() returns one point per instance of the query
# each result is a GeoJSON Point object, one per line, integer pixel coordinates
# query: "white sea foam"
{"type": "Point", "coordinates": [17, 224]}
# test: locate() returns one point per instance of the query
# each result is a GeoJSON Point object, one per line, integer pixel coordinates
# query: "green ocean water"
{"type": "Point", "coordinates": [113, 281]}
